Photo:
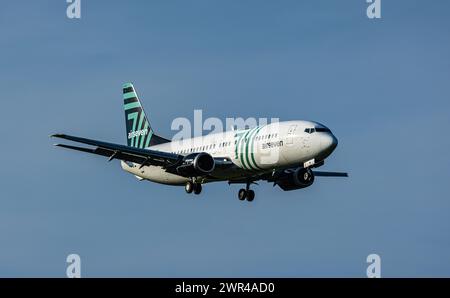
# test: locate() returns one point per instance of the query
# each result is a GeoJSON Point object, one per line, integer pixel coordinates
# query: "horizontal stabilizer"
{"type": "Point", "coordinates": [88, 150]}
{"type": "Point", "coordinates": [330, 174]}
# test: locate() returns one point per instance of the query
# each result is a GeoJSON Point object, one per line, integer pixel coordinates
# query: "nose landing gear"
{"type": "Point", "coordinates": [246, 193]}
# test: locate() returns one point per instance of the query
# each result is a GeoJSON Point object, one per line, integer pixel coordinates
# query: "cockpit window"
{"type": "Point", "coordinates": [310, 130]}
{"type": "Point", "coordinates": [322, 129]}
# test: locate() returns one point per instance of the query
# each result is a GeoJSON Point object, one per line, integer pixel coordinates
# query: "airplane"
{"type": "Point", "coordinates": [283, 153]}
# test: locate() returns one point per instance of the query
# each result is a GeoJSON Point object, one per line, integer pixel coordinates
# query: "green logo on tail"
{"type": "Point", "coordinates": [139, 132]}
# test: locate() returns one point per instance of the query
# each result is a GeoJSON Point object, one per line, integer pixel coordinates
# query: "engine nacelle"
{"type": "Point", "coordinates": [300, 178]}
{"type": "Point", "coordinates": [197, 164]}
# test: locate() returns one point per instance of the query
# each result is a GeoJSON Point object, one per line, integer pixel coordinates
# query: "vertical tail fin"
{"type": "Point", "coordinates": [139, 131]}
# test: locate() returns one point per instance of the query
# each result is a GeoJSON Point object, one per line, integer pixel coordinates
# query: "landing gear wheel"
{"type": "Point", "coordinates": [189, 187]}
{"type": "Point", "coordinates": [197, 188]}
{"type": "Point", "coordinates": [250, 195]}
{"type": "Point", "coordinates": [242, 194]}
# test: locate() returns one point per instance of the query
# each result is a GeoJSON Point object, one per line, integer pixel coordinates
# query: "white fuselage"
{"type": "Point", "coordinates": [257, 150]}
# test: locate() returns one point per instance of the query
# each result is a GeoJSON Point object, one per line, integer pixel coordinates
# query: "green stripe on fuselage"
{"type": "Point", "coordinates": [242, 152]}
{"type": "Point", "coordinates": [253, 151]}
{"type": "Point", "coordinates": [247, 153]}
{"type": "Point", "coordinates": [237, 135]}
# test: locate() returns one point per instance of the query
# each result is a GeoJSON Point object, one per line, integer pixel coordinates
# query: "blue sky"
{"type": "Point", "coordinates": [382, 87]}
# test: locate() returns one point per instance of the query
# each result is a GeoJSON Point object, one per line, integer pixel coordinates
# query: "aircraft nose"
{"type": "Point", "coordinates": [328, 143]}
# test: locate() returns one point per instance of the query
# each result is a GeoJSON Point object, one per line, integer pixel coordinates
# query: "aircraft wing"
{"type": "Point", "coordinates": [144, 157]}
{"type": "Point", "coordinates": [121, 152]}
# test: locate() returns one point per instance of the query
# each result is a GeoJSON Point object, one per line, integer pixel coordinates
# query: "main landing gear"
{"type": "Point", "coordinates": [246, 193]}
{"type": "Point", "coordinates": [191, 186]}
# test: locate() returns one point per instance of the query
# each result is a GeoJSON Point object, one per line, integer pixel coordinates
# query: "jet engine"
{"type": "Point", "coordinates": [295, 179]}
{"type": "Point", "coordinates": [196, 164]}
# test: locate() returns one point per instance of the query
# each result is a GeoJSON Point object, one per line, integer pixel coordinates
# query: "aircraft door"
{"type": "Point", "coordinates": [290, 135]}
{"type": "Point", "coordinates": [306, 142]}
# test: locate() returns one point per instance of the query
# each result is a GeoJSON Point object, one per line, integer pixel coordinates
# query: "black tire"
{"type": "Point", "coordinates": [189, 187]}
{"type": "Point", "coordinates": [250, 195]}
{"type": "Point", "coordinates": [197, 188]}
{"type": "Point", "coordinates": [242, 194]}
